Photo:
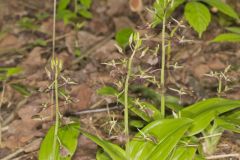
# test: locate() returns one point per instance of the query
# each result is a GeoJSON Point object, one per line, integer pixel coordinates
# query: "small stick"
{"type": "Point", "coordinates": [223, 156]}
{"type": "Point", "coordinates": [1, 102]}
{"type": "Point", "coordinates": [213, 135]}
{"type": "Point", "coordinates": [95, 110]}
{"type": "Point", "coordinates": [14, 154]}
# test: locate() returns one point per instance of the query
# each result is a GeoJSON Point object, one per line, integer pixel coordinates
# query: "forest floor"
{"type": "Point", "coordinates": [26, 41]}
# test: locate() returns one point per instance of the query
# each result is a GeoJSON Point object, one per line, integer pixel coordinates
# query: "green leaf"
{"type": "Point", "coordinates": [110, 91]}
{"type": "Point", "coordinates": [198, 16]}
{"type": "Point", "coordinates": [234, 29]}
{"type": "Point", "coordinates": [85, 13]}
{"type": "Point", "coordinates": [68, 136]}
{"type": "Point", "coordinates": [205, 111]}
{"type": "Point", "coordinates": [184, 153]}
{"type": "Point", "coordinates": [166, 134]}
{"type": "Point", "coordinates": [40, 42]}
{"type": "Point", "coordinates": [62, 4]}
{"type": "Point", "coordinates": [135, 109]}
{"type": "Point", "coordinates": [101, 155]}
{"type": "Point", "coordinates": [150, 110]}
{"type": "Point", "coordinates": [171, 101]}
{"type": "Point", "coordinates": [113, 150]}
{"type": "Point", "coordinates": [159, 10]}
{"type": "Point", "coordinates": [122, 36]}
{"type": "Point", "coordinates": [13, 71]}
{"type": "Point", "coordinates": [22, 89]}
{"type": "Point", "coordinates": [136, 123]}
{"type": "Point", "coordinates": [229, 124]}
{"type": "Point", "coordinates": [66, 15]}
{"type": "Point", "coordinates": [10, 71]}
{"type": "Point", "coordinates": [107, 91]}
{"type": "Point", "coordinates": [28, 24]}
{"type": "Point", "coordinates": [235, 114]}
{"type": "Point", "coordinates": [46, 151]}
{"type": "Point", "coordinates": [201, 122]}
{"type": "Point", "coordinates": [223, 7]}
{"type": "Point", "coordinates": [86, 3]}
{"type": "Point", "coordinates": [227, 37]}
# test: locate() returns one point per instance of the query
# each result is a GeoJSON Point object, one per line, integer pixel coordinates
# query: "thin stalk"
{"type": "Point", "coordinates": [56, 111]}
{"type": "Point", "coordinates": [56, 67]}
{"type": "Point", "coordinates": [219, 86]}
{"type": "Point", "coordinates": [162, 81]}
{"type": "Point", "coordinates": [1, 102]}
{"type": "Point", "coordinates": [126, 130]}
{"type": "Point", "coordinates": [53, 50]}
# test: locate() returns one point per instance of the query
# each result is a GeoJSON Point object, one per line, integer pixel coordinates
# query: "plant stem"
{"type": "Point", "coordinates": [126, 130]}
{"type": "Point", "coordinates": [56, 111]}
{"type": "Point", "coordinates": [162, 81]}
{"type": "Point", "coordinates": [219, 86]}
{"type": "Point", "coordinates": [1, 102]}
{"type": "Point", "coordinates": [55, 83]}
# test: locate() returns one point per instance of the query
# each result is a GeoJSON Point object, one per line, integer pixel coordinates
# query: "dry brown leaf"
{"type": "Point", "coordinates": [70, 42]}
{"type": "Point", "coordinates": [117, 7]}
{"type": "Point", "coordinates": [122, 22]}
{"type": "Point", "coordinates": [136, 5]}
{"type": "Point", "coordinates": [9, 42]}
{"type": "Point", "coordinates": [20, 132]}
{"type": "Point", "coordinates": [200, 70]}
{"type": "Point", "coordinates": [216, 64]}
{"type": "Point", "coordinates": [83, 93]}
{"type": "Point", "coordinates": [33, 146]}
{"type": "Point", "coordinates": [34, 60]}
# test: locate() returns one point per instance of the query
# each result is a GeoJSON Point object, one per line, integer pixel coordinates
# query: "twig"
{"type": "Point", "coordinates": [223, 156]}
{"type": "Point", "coordinates": [209, 136]}
{"type": "Point", "coordinates": [95, 110]}
{"type": "Point", "coordinates": [1, 102]}
{"type": "Point", "coordinates": [10, 156]}
{"type": "Point", "coordinates": [13, 114]}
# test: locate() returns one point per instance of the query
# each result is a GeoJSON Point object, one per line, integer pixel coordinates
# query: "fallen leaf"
{"type": "Point", "coordinates": [122, 22]}
{"type": "Point", "coordinates": [216, 64]}
{"type": "Point", "coordinates": [33, 146]}
{"type": "Point", "coordinates": [200, 70]}
{"type": "Point", "coordinates": [34, 60]}
{"type": "Point", "coordinates": [83, 93]}
{"type": "Point", "coordinates": [117, 7]}
{"type": "Point", "coordinates": [136, 5]}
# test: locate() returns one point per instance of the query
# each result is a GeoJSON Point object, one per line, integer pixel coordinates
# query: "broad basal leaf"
{"type": "Point", "coordinates": [198, 16]}
{"type": "Point", "coordinates": [171, 101]}
{"type": "Point", "coordinates": [184, 153]}
{"type": "Point", "coordinates": [143, 113]}
{"type": "Point", "coordinates": [67, 135]}
{"type": "Point", "coordinates": [223, 7]}
{"type": "Point", "coordinates": [46, 149]}
{"type": "Point", "coordinates": [205, 111]}
{"type": "Point", "coordinates": [158, 139]}
{"type": "Point", "coordinates": [101, 155]}
{"type": "Point", "coordinates": [227, 37]}
{"type": "Point", "coordinates": [113, 150]}
{"type": "Point", "coordinates": [234, 29]}
{"type": "Point", "coordinates": [229, 124]}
